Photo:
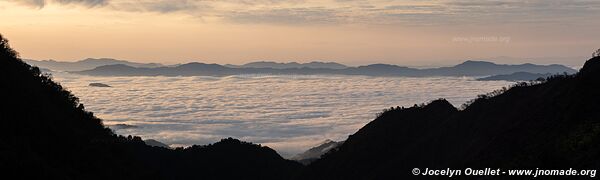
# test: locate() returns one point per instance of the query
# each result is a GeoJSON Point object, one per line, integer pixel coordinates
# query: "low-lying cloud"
{"type": "Point", "coordinates": [287, 113]}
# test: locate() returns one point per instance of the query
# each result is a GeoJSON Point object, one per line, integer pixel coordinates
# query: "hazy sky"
{"type": "Point", "coordinates": [407, 32]}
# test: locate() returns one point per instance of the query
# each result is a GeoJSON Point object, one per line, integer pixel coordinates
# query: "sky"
{"type": "Point", "coordinates": [353, 32]}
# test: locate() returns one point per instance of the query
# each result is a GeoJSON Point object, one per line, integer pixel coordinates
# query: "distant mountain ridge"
{"type": "Point", "coordinates": [518, 76]}
{"type": "Point", "coordinates": [468, 68]}
{"type": "Point", "coordinates": [276, 65]}
{"type": "Point", "coordinates": [86, 64]}
{"type": "Point", "coordinates": [482, 68]}
{"type": "Point", "coordinates": [155, 143]}
{"type": "Point", "coordinates": [315, 153]}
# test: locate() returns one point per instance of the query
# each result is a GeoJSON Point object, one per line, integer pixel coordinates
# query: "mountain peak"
{"type": "Point", "coordinates": [113, 66]}
{"type": "Point", "coordinates": [199, 65]}
{"type": "Point", "coordinates": [98, 59]}
{"type": "Point", "coordinates": [280, 65]}
{"type": "Point", "coordinates": [383, 66]}
{"type": "Point", "coordinates": [475, 63]}
{"type": "Point", "coordinates": [193, 64]}
{"type": "Point", "coordinates": [441, 104]}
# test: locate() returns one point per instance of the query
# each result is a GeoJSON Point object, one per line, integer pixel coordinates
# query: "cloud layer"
{"type": "Point", "coordinates": [415, 12]}
{"type": "Point", "coordinates": [42, 3]}
{"type": "Point", "coordinates": [287, 113]}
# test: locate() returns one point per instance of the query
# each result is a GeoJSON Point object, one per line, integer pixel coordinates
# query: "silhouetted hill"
{"type": "Point", "coordinates": [550, 125]}
{"type": "Point", "coordinates": [122, 126]}
{"type": "Point", "coordinates": [518, 76]}
{"type": "Point", "coordinates": [315, 153]}
{"type": "Point", "coordinates": [155, 143]}
{"type": "Point", "coordinates": [482, 68]}
{"type": "Point", "coordinates": [290, 65]}
{"type": "Point", "coordinates": [469, 68]}
{"type": "Point", "coordinates": [99, 85]}
{"type": "Point", "coordinates": [86, 64]}
{"type": "Point", "coordinates": [226, 159]}
{"type": "Point", "coordinates": [47, 134]}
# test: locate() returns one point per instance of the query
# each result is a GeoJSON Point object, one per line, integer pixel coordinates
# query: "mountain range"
{"type": "Point", "coordinates": [86, 64]}
{"type": "Point", "coordinates": [113, 67]}
{"type": "Point", "coordinates": [276, 65]}
{"type": "Point", "coordinates": [46, 133]}
{"type": "Point", "coordinates": [468, 68]}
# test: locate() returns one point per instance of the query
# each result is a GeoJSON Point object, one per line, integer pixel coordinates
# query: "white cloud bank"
{"type": "Point", "coordinates": [289, 114]}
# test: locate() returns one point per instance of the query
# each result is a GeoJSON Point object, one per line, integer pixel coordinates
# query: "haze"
{"type": "Point", "coordinates": [406, 32]}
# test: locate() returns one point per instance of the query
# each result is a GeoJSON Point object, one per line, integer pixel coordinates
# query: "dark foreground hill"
{"type": "Point", "coordinates": [549, 125]}
{"type": "Point", "coordinates": [45, 133]}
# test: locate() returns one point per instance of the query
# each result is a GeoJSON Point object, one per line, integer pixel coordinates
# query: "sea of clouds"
{"type": "Point", "coordinates": [287, 113]}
